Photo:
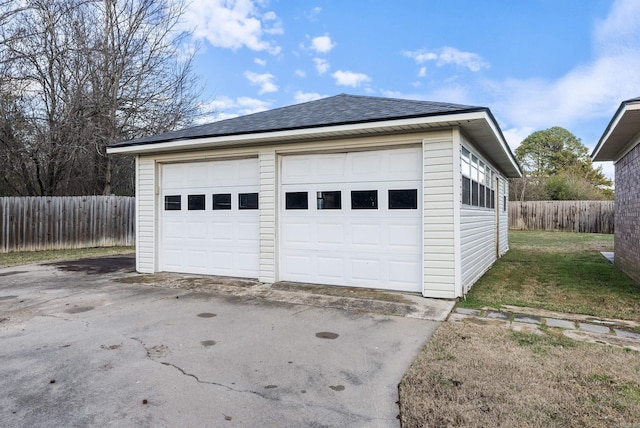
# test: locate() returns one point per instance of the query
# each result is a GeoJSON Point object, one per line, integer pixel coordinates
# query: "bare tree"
{"type": "Point", "coordinates": [83, 74]}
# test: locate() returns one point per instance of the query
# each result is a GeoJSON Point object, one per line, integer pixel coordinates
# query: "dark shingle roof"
{"type": "Point", "coordinates": [337, 110]}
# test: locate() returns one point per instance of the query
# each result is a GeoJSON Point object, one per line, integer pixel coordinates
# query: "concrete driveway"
{"type": "Point", "coordinates": [91, 343]}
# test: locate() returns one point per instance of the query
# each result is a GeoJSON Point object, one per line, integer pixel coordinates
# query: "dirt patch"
{"type": "Point", "coordinates": [187, 282]}
{"type": "Point", "coordinates": [340, 291]}
{"type": "Point", "coordinates": [98, 265]}
{"type": "Point", "coordinates": [472, 375]}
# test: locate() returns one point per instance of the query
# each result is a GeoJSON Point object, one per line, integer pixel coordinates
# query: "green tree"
{"type": "Point", "coordinates": [557, 165]}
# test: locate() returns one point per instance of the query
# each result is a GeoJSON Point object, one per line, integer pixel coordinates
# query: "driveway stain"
{"type": "Point", "coordinates": [270, 386]}
{"type": "Point", "coordinates": [79, 309]}
{"type": "Point", "coordinates": [97, 265]}
{"type": "Point", "coordinates": [7, 297]}
{"type": "Point", "coordinates": [111, 347]}
{"type": "Point", "coordinates": [327, 335]}
{"type": "Point", "coordinates": [14, 272]}
{"type": "Point", "coordinates": [207, 315]}
{"type": "Point", "coordinates": [337, 387]}
{"type": "Point", "coordinates": [208, 342]}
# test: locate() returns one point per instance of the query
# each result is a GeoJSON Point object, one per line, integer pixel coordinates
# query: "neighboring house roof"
{"type": "Point", "coordinates": [621, 134]}
{"type": "Point", "coordinates": [341, 115]}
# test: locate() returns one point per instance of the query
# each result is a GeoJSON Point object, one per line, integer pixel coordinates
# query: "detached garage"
{"type": "Point", "coordinates": [348, 190]}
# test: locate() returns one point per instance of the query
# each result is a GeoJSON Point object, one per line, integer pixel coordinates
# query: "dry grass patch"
{"type": "Point", "coordinates": [472, 375]}
{"type": "Point", "coordinates": [27, 257]}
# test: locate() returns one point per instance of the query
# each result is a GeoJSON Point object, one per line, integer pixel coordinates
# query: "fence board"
{"type": "Point", "coordinates": [566, 216]}
{"type": "Point", "coordinates": [64, 222]}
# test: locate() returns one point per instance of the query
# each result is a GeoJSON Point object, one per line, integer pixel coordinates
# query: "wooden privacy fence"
{"type": "Point", "coordinates": [64, 222]}
{"type": "Point", "coordinates": [567, 216]}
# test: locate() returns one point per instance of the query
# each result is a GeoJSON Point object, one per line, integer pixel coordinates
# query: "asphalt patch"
{"type": "Point", "coordinates": [98, 265]}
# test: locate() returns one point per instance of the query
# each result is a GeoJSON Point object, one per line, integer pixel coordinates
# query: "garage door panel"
{"type": "Point", "coordinates": [346, 246]}
{"type": "Point", "coordinates": [218, 242]}
{"type": "Point", "coordinates": [331, 268]}
{"type": "Point", "coordinates": [298, 266]}
{"type": "Point", "coordinates": [404, 237]}
{"type": "Point", "coordinates": [297, 233]}
{"type": "Point", "coordinates": [365, 270]}
{"type": "Point", "coordinates": [330, 233]}
{"type": "Point", "coordinates": [401, 271]}
{"type": "Point", "coordinates": [365, 235]}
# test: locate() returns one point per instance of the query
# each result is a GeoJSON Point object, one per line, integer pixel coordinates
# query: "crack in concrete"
{"type": "Point", "coordinates": [247, 391]}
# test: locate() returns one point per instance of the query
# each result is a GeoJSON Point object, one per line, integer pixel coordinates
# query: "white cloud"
{"type": "Point", "coordinates": [449, 56]}
{"type": "Point", "coordinates": [349, 78]}
{"type": "Point", "coordinates": [514, 136]}
{"type": "Point", "coordinates": [322, 65]}
{"type": "Point", "coordinates": [322, 44]}
{"type": "Point", "coordinates": [300, 73]}
{"type": "Point", "coordinates": [303, 97]}
{"type": "Point", "coordinates": [260, 61]}
{"type": "Point", "coordinates": [227, 108]}
{"type": "Point", "coordinates": [422, 72]}
{"type": "Point", "coordinates": [620, 31]}
{"type": "Point", "coordinates": [233, 24]}
{"type": "Point", "coordinates": [264, 81]}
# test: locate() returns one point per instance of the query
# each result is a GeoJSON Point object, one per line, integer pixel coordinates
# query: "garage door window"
{"type": "Point", "coordinates": [329, 200]}
{"type": "Point", "coordinates": [364, 199]}
{"type": "Point", "coordinates": [248, 201]}
{"type": "Point", "coordinates": [195, 202]}
{"type": "Point", "coordinates": [296, 201]}
{"type": "Point", "coordinates": [222, 201]}
{"type": "Point", "coordinates": [403, 199]}
{"type": "Point", "coordinates": [172, 203]}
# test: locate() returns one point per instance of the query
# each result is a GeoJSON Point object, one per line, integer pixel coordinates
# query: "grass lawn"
{"type": "Point", "coordinates": [558, 271]}
{"type": "Point", "coordinates": [477, 373]}
{"type": "Point", "coordinates": [26, 257]}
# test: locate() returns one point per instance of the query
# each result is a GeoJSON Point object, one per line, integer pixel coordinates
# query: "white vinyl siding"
{"type": "Point", "coordinates": [267, 159]}
{"type": "Point", "coordinates": [478, 245]}
{"type": "Point", "coordinates": [504, 215]}
{"type": "Point", "coordinates": [478, 234]}
{"type": "Point", "coordinates": [438, 217]}
{"type": "Point", "coordinates": [146, 214]}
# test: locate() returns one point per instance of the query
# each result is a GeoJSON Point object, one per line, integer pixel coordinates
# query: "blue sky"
{"type": "Point", "coordinates": [534, 63]}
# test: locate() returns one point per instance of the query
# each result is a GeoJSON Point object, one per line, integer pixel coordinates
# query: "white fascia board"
{"type": "Point", "coordinates": [612, 127]}
{"type": "Point", "coordinates": [265, 137]}
{"type": "Point", "coordinates": [503, 144]}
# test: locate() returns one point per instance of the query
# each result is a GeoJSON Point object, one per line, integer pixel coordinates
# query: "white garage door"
{"type": "Point", "coordinates": [352, 219]}
{"type": "Point", "coordinates": [209, 218]}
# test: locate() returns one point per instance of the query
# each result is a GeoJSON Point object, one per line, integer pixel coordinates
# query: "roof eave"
{"type": "Point", "coordinates": [609, 147]}
{"type": "Point", "coordinates": [509, 164]}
